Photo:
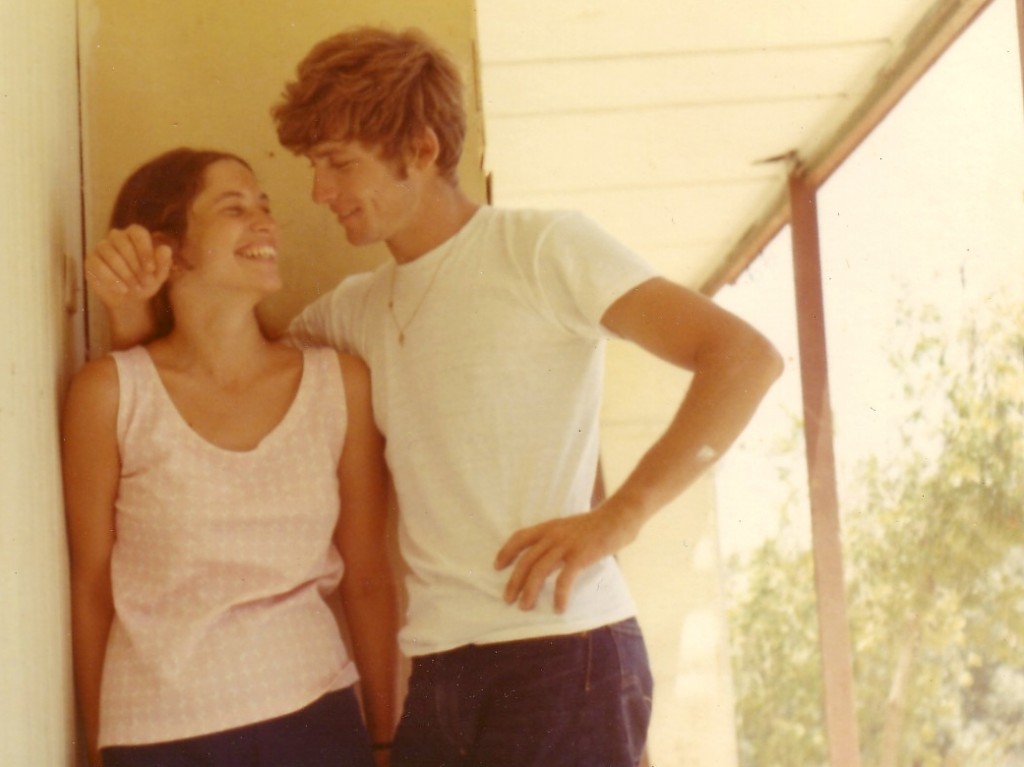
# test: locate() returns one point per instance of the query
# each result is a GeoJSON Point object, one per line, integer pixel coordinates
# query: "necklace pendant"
{"type": "Point", "coordinates": [401, 338]}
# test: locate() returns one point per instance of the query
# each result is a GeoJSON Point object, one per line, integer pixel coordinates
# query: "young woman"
{"type": "Point", "coordinates": [217, 485]}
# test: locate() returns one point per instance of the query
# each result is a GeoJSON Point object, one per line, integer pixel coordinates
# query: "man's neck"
{"type": "Point", "coordinates": [444, 211]}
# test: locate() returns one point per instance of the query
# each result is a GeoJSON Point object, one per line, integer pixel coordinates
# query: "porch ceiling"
{"type": "Point", "coordinates": [659, 118]}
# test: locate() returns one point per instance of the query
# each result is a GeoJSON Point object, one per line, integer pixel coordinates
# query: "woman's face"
{"type": "Point", "coordinates": [231, 240]}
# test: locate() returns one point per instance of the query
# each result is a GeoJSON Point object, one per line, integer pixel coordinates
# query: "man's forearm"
{"type": "Point", "coordinates": [722, 397]}
{"type": "Point", "coordinates": [130, 326]}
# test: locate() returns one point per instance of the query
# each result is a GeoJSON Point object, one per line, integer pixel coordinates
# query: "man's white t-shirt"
{"type": "Point", "coordinates": [487, 374]}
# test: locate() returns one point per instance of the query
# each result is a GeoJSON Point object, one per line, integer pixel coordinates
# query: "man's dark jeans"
{"type": "Point", "coordinates": [579, 700]}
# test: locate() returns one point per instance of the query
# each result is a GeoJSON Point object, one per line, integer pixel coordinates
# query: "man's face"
{"type": "Point", "coordinates": [373, 199]}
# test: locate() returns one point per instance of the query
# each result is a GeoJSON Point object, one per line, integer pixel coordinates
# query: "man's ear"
{"type": "Point", "coordinates": [424, 149]}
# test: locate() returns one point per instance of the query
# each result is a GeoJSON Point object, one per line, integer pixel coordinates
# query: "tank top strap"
{"type": "Point", "coordinates": [136, 378]}
{"type": "Point", "coordinates": [326, 403]}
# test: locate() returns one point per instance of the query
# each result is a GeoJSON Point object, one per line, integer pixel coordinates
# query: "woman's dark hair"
{"type": "Point", "coordinates": [157, 196]}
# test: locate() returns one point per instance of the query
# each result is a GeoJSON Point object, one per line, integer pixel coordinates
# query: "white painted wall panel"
{"type": "Point", "coordinates": [40, 225]}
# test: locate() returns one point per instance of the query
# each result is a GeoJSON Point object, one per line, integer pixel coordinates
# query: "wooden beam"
{"type": "Point", "coordinates": [833, 627]}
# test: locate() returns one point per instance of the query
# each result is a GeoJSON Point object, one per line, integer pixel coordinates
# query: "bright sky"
{"type": "Point", "coordinates": [931, 210]}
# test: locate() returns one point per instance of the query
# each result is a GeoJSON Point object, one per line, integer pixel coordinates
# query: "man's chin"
{"type": "Point", "coordinates": [357, 239]}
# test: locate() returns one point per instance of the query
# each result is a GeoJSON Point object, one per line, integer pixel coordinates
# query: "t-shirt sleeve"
{"type": "Point", "coordinates": [310, 328]}
{"type": "Point", "coordinates": [331, 320]}
{"type": "Point", "coordinates": [582, 270]}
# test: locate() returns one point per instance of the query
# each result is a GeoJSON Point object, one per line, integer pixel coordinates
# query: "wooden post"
{"type": "Point", "coordinates": [1020, 38]}
{"type": "Point", "coordinates": [834, 636]}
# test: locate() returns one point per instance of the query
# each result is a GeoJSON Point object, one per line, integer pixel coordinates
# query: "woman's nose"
{"type": "Point", "coordinates": [263, 220]}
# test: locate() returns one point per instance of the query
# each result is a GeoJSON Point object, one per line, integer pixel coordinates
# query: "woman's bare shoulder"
{"type": "Point", "coordinates": [94, 392]}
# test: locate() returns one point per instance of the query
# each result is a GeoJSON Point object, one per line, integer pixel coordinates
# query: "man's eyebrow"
{"type": "Point", "coordinates": [326, 151]}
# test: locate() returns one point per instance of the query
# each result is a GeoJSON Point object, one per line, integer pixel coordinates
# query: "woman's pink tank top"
{"type": "Point", "coordinates": [222, 563]}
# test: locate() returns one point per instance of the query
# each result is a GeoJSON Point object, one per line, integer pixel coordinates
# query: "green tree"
{"type": "Point", "coordinates": [934, 554]}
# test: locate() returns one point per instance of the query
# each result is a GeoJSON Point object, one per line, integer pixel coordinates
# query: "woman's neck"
{"type": "Point", "coordinates": [226, 346]}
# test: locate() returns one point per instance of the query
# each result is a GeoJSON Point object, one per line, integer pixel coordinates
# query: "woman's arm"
{"type": "Point", "coordinates": [367, 590]}
{"type": "Point", "coordinates": [91, 465]}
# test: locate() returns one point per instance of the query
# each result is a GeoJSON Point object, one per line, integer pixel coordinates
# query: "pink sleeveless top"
{"type": "Point", "coordinates": [222, 563]}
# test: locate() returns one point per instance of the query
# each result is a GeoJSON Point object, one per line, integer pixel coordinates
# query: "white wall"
{"type": "Point", "coordinates": [40, 225]}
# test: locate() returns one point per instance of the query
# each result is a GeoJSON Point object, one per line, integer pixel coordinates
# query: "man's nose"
{"type": "Point", "coordinates": [323, 189]}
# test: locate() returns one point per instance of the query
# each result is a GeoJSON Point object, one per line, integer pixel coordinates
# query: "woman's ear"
{"type": "Point", "coordinates": [178, 263]}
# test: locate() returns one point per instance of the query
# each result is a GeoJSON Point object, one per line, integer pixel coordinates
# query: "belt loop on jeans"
{"type": "Point", "coordinates": [589, 636]}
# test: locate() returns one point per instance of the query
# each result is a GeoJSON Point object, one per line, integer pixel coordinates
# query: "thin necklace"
{"type": "Point", "coordinates": [391, 301]}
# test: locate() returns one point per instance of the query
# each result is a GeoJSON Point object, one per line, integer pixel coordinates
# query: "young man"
{"type": "Point", "coordinates": [484, 337]}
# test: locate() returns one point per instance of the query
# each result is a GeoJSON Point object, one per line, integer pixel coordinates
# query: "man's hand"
{"type": "Point", "coordinates": [127, 268]}
{"type": "Point", "coordinates": [571, 544]}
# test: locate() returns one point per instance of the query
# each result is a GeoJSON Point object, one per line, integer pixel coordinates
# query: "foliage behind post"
{"type": "Point", "coordinates": [934, 544]}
